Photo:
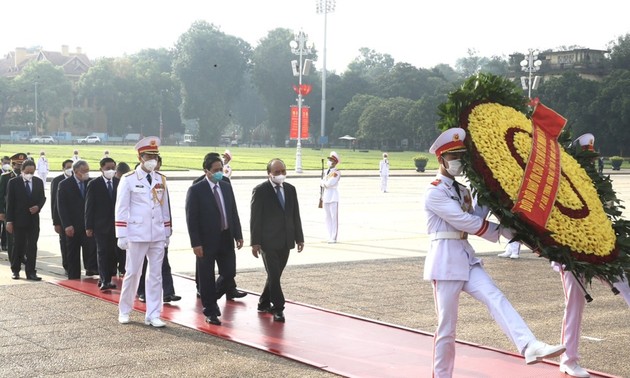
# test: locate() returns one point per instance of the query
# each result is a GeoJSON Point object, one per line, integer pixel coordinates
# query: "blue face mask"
{"type": "Point", "coordinates": [217, 176]}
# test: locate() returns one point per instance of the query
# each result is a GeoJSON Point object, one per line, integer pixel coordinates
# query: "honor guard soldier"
{"type": "Point", "coordinates": [16, 165]}
{"type": "Point", "coordinates": [143, 228]}
{"type": "Point", "coordinates": [451, 264]}
{"type": "Point", "coordinates": [227, 170]}
{"type": "Point", "coordinates": [330, 183]}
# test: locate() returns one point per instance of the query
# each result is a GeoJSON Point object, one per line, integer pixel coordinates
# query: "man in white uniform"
{"type": "Point", "coordinates": [42, 167]}
{"type": "Point", "coordinates": [143, 228]}
{"type": "Point", "coordinates": [384, 172]}
{"type": "Point", "coordinates": [330, 183]}
{"type": "Point", "coordinates": [227, 170]}
{"type": "Point", "coordinates": [452, 266]}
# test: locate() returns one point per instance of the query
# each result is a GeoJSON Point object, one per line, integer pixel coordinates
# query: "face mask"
{"type": "Point", "coordinates": [68, 172]}
{"type": "Point", "coordinates": [84, 177]}
{"type": "Point", "coordinates": [216, 177]}
{"type": "Point", "coordinates": [109, 174]}
{"type": "Point", "coordinates": [6, 167]}
{"type": "Point", "coordinates": [150, 165]}
{"type": "Point", "coordinates": [329, 162]}
{"type": "Point", "coordinates": [278, 179]}
{"type": "Point", "coordinates": [455, 167]}
{"type": "Point", "coordinates": [27, 176]}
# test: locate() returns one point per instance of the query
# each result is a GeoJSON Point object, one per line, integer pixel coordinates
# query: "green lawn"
{"type": "Point", "coordinates": [244, 158]}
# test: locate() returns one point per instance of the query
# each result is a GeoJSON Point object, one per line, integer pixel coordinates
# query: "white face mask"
{"type": "Point", "coordinates": [329, 162]}
{"type": "Point", "coordinates": [68, 172]}
{"type": "Point", "coordinates": [455, 167]}
{"type": "Point", "coordinates": [109, 174]}
{"type": "Point", "coordinates": [6, 167]}
{"type": "Point", "coordinates": [150, 165]}
{"type": "Point", "coordinates": [84, 176]}
{"type": "Point", "coordinates": [27, 176]}
{"type": "Point", "coordinates": [278, 179]}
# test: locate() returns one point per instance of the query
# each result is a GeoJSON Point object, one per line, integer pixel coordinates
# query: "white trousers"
{"type": "Point", "coordinates": [331, 209]}
{"type": "Point", "coordinates": [43, 176]}
{"type": "Point", "coordinates": [154, 252]}
{"type": "Point", "coordinates": [574, 303]}
{"type": "Point", "coordinates": [481, 287]}
{"type": "Point", "coordinates": [384, 183]}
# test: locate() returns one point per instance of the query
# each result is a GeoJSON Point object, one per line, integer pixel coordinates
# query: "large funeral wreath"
{"type": "Point", "coordinates": [583, 230]}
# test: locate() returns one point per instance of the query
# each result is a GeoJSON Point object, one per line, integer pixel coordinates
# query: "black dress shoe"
{"type": "Point", "coordinates": [142, 298]}
{"type": "Point", "coordinates": [16, 276]}
{"type": "Point", "coordinates": [265, 308]}
{"type": "Point", "coordinates": [171, 298]}
{"type": "Point", "coordinates": [107, 286]}
{"type": "Point", "coordinates": [278, 317]}
{"type": "Point", "coordinates": [231, 294]}
{"type": "Point", "coordinates": [217, 310]}
{"type": "Point", "coordinates": [33, 277]}
{"type": "Point", "coordinates": [91, 273]}
{"type": "Point", "coordinates": [213, 319]}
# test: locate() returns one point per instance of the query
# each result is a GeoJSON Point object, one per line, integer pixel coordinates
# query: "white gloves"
{"type": "Point", "coordinates": [123, 243]}
{"type": "Point", "coordinates": [167, 242]}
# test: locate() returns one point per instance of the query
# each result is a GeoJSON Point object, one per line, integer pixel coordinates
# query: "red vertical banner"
{"type": "Point", "coordinates": [293, 129]}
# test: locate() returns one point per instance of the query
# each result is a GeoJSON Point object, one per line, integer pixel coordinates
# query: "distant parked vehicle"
{"type": "Point", "coordinates": [91, 139]}
{"type": "Point", "coordinates": [43, 139]}
{"type": "Point", "coordinates": [189, 140]}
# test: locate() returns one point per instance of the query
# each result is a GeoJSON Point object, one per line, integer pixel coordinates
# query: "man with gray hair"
{"type": "Point", "coordinates": [71, 209]}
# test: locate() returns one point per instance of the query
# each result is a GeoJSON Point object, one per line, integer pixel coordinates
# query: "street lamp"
{"type": "Point", "coordinates": [299, 48]}
{"type": "Point", "coordinates": [530, 65]}
{"type": "Point", "coordinates": [36, 115]}
{"type": "Point", "coordinates": [161, 106]}
{"type": "Point", "coordinates": [324, 7]}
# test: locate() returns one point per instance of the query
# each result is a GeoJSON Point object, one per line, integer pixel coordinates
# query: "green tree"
{"type": "Point", "coordinates": [210, 66]}
{"type": "Point", "coordinates": [348, 123]}
{"type": "Point", "coordinates": [383, 122]}
{"type": "Point", "coordinates": [371, 65]}
{"type": "Point", "coordinates": [620, 53]}
{"type": "Point", "coordinates": [422, 118]}
{"type": "Point", "coordinates": [612, 109]}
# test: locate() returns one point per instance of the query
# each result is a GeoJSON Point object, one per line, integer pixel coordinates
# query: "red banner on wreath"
{"type": "Point", "coordinates": [293, 129]}
{"type": "Point", "coordinates": [541, 178]}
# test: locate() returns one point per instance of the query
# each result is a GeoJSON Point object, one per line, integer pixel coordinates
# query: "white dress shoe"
{"type": "Point", "coordinates": [505, 254]}
{"type": "Point", "coordinates": [155, 322]}
{"type": "Point", "coordinates": [514, 256]}
{"type": "Point", "coordinates": [123, 318]}
{"type": "Point", "coordinates": [574, 370]}
{"type": "Point", "coordinates": [537, 350]}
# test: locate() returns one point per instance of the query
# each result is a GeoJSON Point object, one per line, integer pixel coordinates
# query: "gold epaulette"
{"type": "Point", "coordinates": [129, 173]}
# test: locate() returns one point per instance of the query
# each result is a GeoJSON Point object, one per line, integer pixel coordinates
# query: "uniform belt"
{"type": "Point", "coordinates": [459, 235]}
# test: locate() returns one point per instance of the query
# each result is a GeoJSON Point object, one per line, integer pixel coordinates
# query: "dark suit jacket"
{"type": "Point", "coordinates": [4, 182]}
{"type": "Point", "coordinates": [54, 186]}
{"type": "Point", "coordinates": [70, 204]}
{"type": "Point", "coordinates": [204, 219]}
{"type": "Point", "coordinates": [272, 227]}
{"type": "Point", "coordinates": [18, 202]}
{"type": "Point", "coordinates": [99, 206]}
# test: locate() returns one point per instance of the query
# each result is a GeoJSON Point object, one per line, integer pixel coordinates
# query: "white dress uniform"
{"type": "Point", "coordinates": [330, 199]}
{"type": "Point", "coordinates": [384, 172]}
{"type": "Point", "coordinates": [142, 216]}
{"type": "Point", "coordinates": [227, 170]}
{"type": "Point", "coordinates": [452, 266]}
{"type": "Point", "coordinates": [42, 168]}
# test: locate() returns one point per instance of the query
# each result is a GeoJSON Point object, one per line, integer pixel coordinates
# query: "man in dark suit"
{"type": "Point", "coordinates": [100, 200]}
{"type": "Point", "coordinates": [16, 165]}
{"type": "Point", "coordinates": [276, 228]}
{"type": "Point", "coordinates": [71, 209]}
{"type": "Point", "coordinates": [232, 292]}
{"type": "Point", "coordinates": [66, 172]}
{"type": "Point", "coordinates": [213, 226]}
{"type": "Point", "coordinates": [25, 199]}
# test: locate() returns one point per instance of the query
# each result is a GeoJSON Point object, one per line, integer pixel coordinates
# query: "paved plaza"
{"type": "Point", "coordinates": [374, 271]}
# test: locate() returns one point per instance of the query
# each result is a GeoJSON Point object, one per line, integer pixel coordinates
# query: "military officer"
{"type": "Point", "coordinates": [143, 228]}
{"type": "Point", "coordinates": [330, 183]}
{"type": "Point", "coordinates": [227, 170]}
{"type": "Point", "coordinates": [16, 164]}
{"type": "Point", "coordinates": [451, 264]}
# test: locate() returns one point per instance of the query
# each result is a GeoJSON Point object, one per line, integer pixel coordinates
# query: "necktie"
{"type": "Point", "coordinates": [28, 188]}
{"type": "Point", "coordinates": [110, 189]}
{"type": "Point", "coordinates": [280, 197]}
{"type": "Point", "coordinates": [217, 198]}
{"type": "Point", "coordinates": [456, 186]}
{"type": "Point", "coordinates": [82, 189]}
{"type": "Point", "coordinates": [149, 179]}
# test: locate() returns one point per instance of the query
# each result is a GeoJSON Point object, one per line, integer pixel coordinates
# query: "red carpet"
{"type": "Point", "coordinates": [335, 342]}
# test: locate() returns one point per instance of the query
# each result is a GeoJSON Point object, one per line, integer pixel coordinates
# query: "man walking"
{"type": "Point", "coordinates": [143, 228]}
{"type": "Point", "coordinates": [276, 228]}
{"type": "Point", "coordinates": [25, 199]}
{"type": "Point", "coordinates": [66, 172]}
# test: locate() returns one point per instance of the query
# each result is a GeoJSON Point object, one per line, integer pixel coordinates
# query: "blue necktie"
{"type": "Point", "coordinates": [280, 197]}
{"type": "Point", "coordinates": [82, 189]}
{"type": "Point", "coordinates": [28, 188]}
{"type": "Point", "coordinates": [110, 189]}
